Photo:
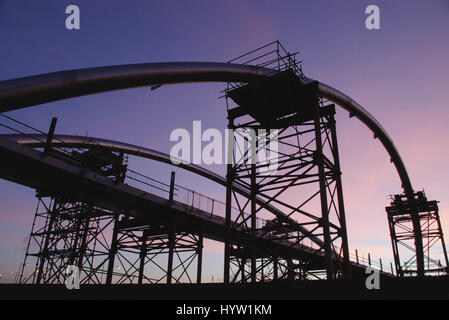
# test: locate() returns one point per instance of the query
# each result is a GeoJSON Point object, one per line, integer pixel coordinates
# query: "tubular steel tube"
{"type": "Point", "coordinates": [28, 91]}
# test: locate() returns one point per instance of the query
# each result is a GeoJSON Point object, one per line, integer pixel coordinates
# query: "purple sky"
{"type": "Point", "coordinates": [400, 73]}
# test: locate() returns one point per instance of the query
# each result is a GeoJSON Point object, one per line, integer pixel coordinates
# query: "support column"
{"type": "Point", "coordinates": [230, 179]}
{"type": "Point", "coordinates": [200, 258]}
{"type": "Point", "coordinates": [171, 250]}
{"type": "Point", "coordinates": [253, 223]}
{"type": "Point", "coordinates": [290, 269]}
{"type": "Point", "coordinates": [242, 269]}
{"type": "Point", "coordinates": [341, 206]}
{"type": "Point", "coordinates": [46, 242]}
{"type": "Point", "coordinates": [112, 251]}
{"type": "Point", "coordinates": [394, 245]}
{"type": "Point", "coordinates": [323, 193]}
{"type": "Point", "coordinates": [172, 187]}
{"type": "Point", "coordinates": [142, 256]}
{"type": "Point", "coordinates": [275, 268]}
{"type": "Point", "coordinates": [442, 238]}
{"type": "Point", "coordinates": [83, 246]}
{"type": "Point", "coordinates": [419, 250]}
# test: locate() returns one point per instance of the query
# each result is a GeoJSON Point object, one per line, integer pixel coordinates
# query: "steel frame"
{"type": "Point", "coordinates": [23, 92]}
{"type": "Point", "coordinates": [152, 254]}
{"type": "Point", "coordinates": [301, 165]}
{"type": "Point", "coordinates": [66, 232]}
{"type": "Point", "coordinates": [308, 163]}
{"type": "Point", "coordinates": [401, 214]}
{"type": "Point", "coordinates": [106, 245]}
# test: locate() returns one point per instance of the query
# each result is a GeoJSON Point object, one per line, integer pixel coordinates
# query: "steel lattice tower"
{"type": "Point", "coordinates": [308, 169]}
{"type": "Point", "coordinates": [400, 214]}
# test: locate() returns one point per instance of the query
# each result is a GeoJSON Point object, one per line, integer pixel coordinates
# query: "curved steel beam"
{"type": "Point", "coordinates": [38, 89]}
{"type": "Point", "coordinates": [39, 140]}
{"type": "Point", "coordinates": [28, 91]}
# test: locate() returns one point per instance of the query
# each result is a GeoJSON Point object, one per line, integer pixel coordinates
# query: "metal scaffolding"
{"type": "Point", "coordinates": [69, 229]}
{"type": "Point", "coordinates": [143, 253]}
{"type": "Point", "coordinates": [401, 213]}
{"type": "Point", "coordinates": [66, 233]}
{"type": "Point", "coordinates": [308, 169]}
{"type": "Point", "coordinates": [284, 214]}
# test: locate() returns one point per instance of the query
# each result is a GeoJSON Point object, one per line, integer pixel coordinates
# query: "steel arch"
{"type": "Point", "coordinates": [28, 91]}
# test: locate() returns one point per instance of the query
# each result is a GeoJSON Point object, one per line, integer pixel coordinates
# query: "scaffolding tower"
{"type": "Point", "coordinates": [400, 214]}
{"type": "Point", "coordinates": [284, 109]}
{"type": "Point", "coordinates": [71, 230]}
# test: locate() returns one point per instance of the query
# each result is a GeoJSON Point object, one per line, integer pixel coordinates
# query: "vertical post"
{"type": "Point", "coordinates": [172, 187]}
{"type": "Point", "coordinates": [242, 269]}
{"type": "Point", "coordinates": [200, 258]}
{"type": "Point", "coordinates": [323, 191]}
{"type": "Point", "coordinates": [369, 259]}
{"type": "Point", "coordinates": [27, 253]}
{"type": "Point", "coordinates": [44, 251]}
{"type": "Point", "coordinates": [341, 206]}
{"type": "Point", "coordinates": [112, 251]}
{"type": "Point", "coordinates": [290, 269]}
{"type": "Point", "coordinates": [227, 248]}
{"type": "Point", "coordinates": [394, 245]}
{"type": "Point", "coordinates": [121, 175]}
{"type": "Point", "coordinates": [83, 247]}
{"type": "Point", "coordinates": [440, 230]}
{"type": "Point", "coordinates": [74, 246]}
{"type": "Point", "coordinates": [253, 223]}
{"type": "Point", "coordinates": [275, 268]}
{"type": "Point", "coordinates": [171, 250]}
{"type": "Point", "coordinates": [142, 255]}
{"type": "Point", "coordinates": [51, 132]}
{"type": "Point", "coordinates": [391, 266]}
{"type": "Point", "coordinates": [356, 256]}
{"type": "Point", "coordinates": [419, 251]}
{"type": "Point", "coordinates": [229, 181]}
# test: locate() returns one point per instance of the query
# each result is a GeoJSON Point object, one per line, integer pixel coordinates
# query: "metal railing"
{"type": "Point", "coordinates": [369, 262]}
{"type": "Point", "coordinates": [271, 56]}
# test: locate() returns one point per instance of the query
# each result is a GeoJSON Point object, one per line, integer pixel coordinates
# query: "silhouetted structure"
{"type": "Point", "coordinates": [400, 214]}
{"type": "Point", "coordinates": [307, 166]}
{"type": "Point", "coordinates": [286, 225]}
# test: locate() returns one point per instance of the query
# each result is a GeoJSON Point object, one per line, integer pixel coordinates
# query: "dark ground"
{"type": "Point", "coordinates": [406, 288]}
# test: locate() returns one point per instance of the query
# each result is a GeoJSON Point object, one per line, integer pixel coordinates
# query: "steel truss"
{"type": "Point", "coordinates": [150, 254]}
{"type": "Point", "coordinates": [105, 244]}
{"type": "Point", "coordinates": [307, 183]}
{"type": "Point", "coordinates": [67, 233]}
{"type": "Point", "coordinates": [400, 220]}
{"type": "Point", "coordinates": [69, 230]}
